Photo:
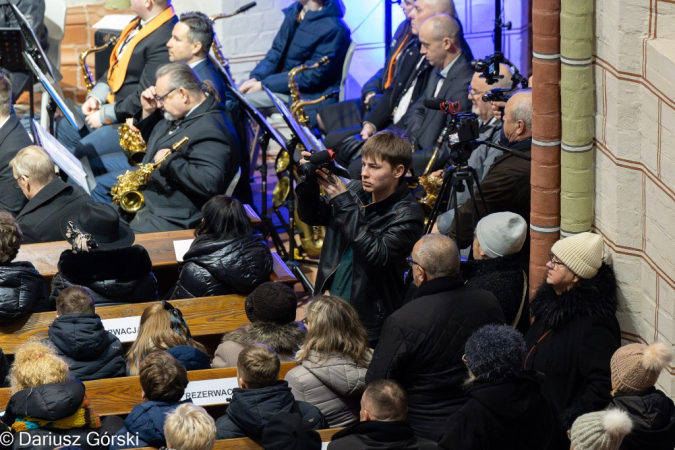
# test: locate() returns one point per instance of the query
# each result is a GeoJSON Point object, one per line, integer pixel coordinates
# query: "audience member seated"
{"type": "Point", "coordinates": [602, 430]}
{"type": "Point", "coordinates": [422, 343]}
{"type": "Point", "coordinates": [103, 259]}
{"type": "Point", "coordinates": [163, 380]}
{"type": "Point", "coordinates": [13, 137]}
{"type": "Point", "coordinates": [162, 327]}
{"type": "Point", "coordinates": [79, 338]}
{"type": "Point", "coordinates": [45, 404]}
{"type": "Point", "coordinates": [288, 431]}
{"type": "Point", "coordinates": [506, 187]}
{"type": "Point", "coordinates": [575, 331]}
{"type": "Point", "coordinates": [271, 308]}
{"type": "Point", "coordinates": [260, 396]}
{"type": "Point", "coordinates": [189, 427]}
{"type": "Point", "coordinates": [506, 408]}
{"type": "Point", "coordinates": [383, 422]}
{"type": "Point", "coordinates": [311, 30]}
{"type": "Point", "coordinates": [22, 288]}
{"type": "Point", "coordinates": [496, 265]}
{"type": "Point", "coordinates": [334, 360]}
{"type": "Point", "coordinates": [224, 258]}
{"type": "Point", "coordinates": [49, 198]}
{"type": "Point", "coordinates": [635, 370]}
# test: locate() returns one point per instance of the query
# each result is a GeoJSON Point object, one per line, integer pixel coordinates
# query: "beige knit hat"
{"type": "Point", "coordinates": [582, 253]}
{"type": "Point", "coordinates": [636, 367]}
{"type": "Point", "coordinates": [601, 430]}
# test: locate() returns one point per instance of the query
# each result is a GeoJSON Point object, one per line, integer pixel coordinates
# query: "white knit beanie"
{"type": "Point", "coordinates": [501, 234]}
{"type": "Point", "coordinates": [582, 253]}
{"type": "Point", "coordinates": [601, 430]}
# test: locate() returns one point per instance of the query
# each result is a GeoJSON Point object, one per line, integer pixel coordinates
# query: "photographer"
{"type": "Point", "coordinates": [372, 225]}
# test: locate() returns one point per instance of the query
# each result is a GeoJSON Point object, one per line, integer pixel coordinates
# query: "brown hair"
{"type": "Point", "coordinates": [163, 379]}
{"type": "Point", "coordinates": [75, 300]}
{"type": "Point", "coordinates": [390, 147]}
{"type": "Point", "coordinates": [258, 365]}
{"type": "Point", "coordinates": [386, 400]}
{"type": "Point", "coordinates": [35, 364]}
{"type": "Point", "coordinates": [155, 333]}
{"type": "Point", "coordinates": [10, 237]}
{"type": "Point", "coordinates": [335, 329]}
{"type": "Point", "coordinates": [5, 95]}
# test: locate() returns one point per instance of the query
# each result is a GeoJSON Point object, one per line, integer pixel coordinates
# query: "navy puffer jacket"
{"type": "Point", "coordinates": [223, 267]}
{"type": "Point", "coordinates": [321, 33]}
{"type": "Point", "coordinates": [22, 290]}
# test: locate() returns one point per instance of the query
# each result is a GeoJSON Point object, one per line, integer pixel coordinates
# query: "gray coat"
{"type": "Point", "coordinates": [333, 385]}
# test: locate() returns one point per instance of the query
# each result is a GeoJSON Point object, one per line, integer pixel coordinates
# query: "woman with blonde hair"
{"type": "Point", "coordinates": [163, 328]}
{"type": "Point", "coordinates": [333, 361]}
{"type": "Point", "coordinates": [44, 402]}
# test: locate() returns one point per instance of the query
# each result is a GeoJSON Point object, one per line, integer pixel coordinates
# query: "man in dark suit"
{"type": "Point", "coordinates": [49, 198]}
{"type": "Point", "coordinates": [205, 166]}
{"type": "Point", "coordinates": [140, 50]}
{"type": "Point", "coordinates": [13, 137]}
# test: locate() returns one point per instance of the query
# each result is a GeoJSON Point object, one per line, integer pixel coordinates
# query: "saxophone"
{"type": "Point", "coordinates": [298, 109]}
{"type": "Point", "coordinates": [215, 45]}
{"type": "Point", "coordinates": [82, 60]}
{"type": "Point", "coordinates": [432, 185]}
{"type": "Point", "coordinates": [133, 144]}
{"type": "Point", "coordinates": [127, 191]}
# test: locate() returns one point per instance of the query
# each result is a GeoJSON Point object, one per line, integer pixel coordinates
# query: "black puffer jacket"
{"type": "Point", "coordinates": [115, 276]}
{"type": "Point", "coordinates": [92, 353]}
{"type": "Point", "coordinates": [381, 234]}
{"type": "Point", "coordinates": [504, 277]}
{"type": "Point", "coordinates": [49, 402]}
{"type": "Point", "coordinates": [574, 356]}
{"type": "Point", "coordinates": [653, 416]}
{"type": "Point", "coordinates": [22, 290]}
{"type": "Point", "coordinates": [376, 435]}
{"type": "Point", "coordinates": [223, 267]}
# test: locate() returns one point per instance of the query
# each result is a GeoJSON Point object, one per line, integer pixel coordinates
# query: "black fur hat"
{"type": "Point", "coordinates": [271, 302]}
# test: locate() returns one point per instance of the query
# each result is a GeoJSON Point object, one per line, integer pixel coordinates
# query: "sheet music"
{"type": "Point", "coordinates": [113, 22]}
{"type": "Point", "coordinates": [62, 157]}
{"type": "Point", "coordinates": [181, 247]}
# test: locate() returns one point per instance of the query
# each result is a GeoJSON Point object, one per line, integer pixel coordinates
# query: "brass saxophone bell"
{"type": "Point", "coordinates": [282, 162]}
{"type": "Point", "coordinates": [132, 201]}
{"type": "Point", "coordinates": [281, 191]}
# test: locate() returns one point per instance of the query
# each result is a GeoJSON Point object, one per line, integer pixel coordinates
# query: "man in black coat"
{"type": "Point", "coordinates": [13, 137]}
{"type": "Point", "coordinates": [92, 353]}
{"type": "Point", "coordinates": [49, 198]}
{"type": "Point", "coordinates": [422, 344]}
{"type": "Point", "coordinates": [207, 164]}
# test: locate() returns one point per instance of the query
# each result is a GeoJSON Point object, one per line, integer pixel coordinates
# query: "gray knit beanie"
{"type": "Point", "coordinates": [501, 234]}
{"type": "Point", "coordinates": [601, 430]}
{"type": "Point", "coordinates": [495, 353]}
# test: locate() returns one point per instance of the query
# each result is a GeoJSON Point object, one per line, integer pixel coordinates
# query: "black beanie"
{"type": "Point", "coordinates": [287, 431]}
{"type": "Point", "coordinates": [271, 302]}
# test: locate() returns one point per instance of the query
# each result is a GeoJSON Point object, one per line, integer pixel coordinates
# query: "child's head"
{"type": "Point", "coordinates": [74, 300]}
{"type": "Point", "coordinates": [636, 367]}
{"type": "Point", "coordinates": [35, 364]}
{"type": "Point", "coordinates": [257, 367]}
{"type": "Point", "coordinates": [163, 378]}
{"type": "Point", "coordinates": [189, 427]}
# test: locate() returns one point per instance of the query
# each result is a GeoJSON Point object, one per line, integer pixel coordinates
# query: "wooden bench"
{"type": "Point", "coordinates": [250, 444]}
{"type": "Point", "coordinates": [206, 316]}
{"type": "Point", "coordinates": [118, 396]}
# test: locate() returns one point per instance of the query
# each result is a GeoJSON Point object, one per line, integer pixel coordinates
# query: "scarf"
{"type": "Point", "coordinates": [84, 417]}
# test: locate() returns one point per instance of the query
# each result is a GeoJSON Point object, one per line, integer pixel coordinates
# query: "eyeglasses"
{"type": "Point", "coordinates": [411, 262]}
{"type": "Point", "coordinates": [15, 185]}
{"type": "Point", "coordinates": [473, 93]}
{"type": "Point", "coordinates": [305, 321]}
{"type": "Point", "coordinates": [161, 99]}
{"type": "Point", "coordinates": [555, 262]}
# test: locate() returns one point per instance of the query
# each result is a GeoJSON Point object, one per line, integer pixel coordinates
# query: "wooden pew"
{"type": "Point", "coordinates": [117, 396]}
{"type": "Point", "coordinates": [250, 444]}
{"type": "Point", "coordinates": [206, 316]}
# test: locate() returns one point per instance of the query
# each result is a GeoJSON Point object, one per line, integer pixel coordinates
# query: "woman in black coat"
{"type": "Point", "coordinates": [224, 258]}
{"type": "Point", "coordinates": [575, 331]}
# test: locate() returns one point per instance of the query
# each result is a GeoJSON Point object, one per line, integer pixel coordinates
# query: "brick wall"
{"type": "Point", "coordinates": [634, 59]}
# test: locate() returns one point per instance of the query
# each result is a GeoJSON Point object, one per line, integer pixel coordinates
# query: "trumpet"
{"type": "Point", "coordinates": [82, 60]}
{"type": "Point", "coordinates": [127, 191]}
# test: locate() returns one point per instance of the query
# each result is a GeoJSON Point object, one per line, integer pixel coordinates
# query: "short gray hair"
{"type": "Point", "coordinates": [438, 256]}
{"type": "Point", "coordinates": [200, 29]}
{"type": "Point", "coordinates": [35, 163]}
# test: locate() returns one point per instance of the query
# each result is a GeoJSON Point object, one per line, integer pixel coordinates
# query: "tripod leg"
{"type": "Point", "coordinates": [474, 174]}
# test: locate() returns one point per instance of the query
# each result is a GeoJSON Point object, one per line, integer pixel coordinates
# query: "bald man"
{"type": "Point", "coordinates": [422, 344]}
{"type": "Point", "coordinates": [506, 186]}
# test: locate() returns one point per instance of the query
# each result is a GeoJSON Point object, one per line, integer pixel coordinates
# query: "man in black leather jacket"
{"type": "Point", "coordinates": [372, 225]}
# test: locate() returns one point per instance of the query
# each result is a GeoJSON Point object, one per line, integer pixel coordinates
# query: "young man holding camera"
{"type": "Point", "coordinates": [371, 227]}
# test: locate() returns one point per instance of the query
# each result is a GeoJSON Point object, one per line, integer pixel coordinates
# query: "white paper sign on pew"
{"type": "Point", "coordinates": [125, 328]}
{"type": "Point", "coordinates": [210, 392]}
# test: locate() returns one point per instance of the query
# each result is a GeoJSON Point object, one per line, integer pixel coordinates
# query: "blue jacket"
{"type": "Point", "coordinates": [319, 34]}
{"type": "Point", "coordinates": [146, 421]}
{"type": "Point", "coordinates": [190, 357]}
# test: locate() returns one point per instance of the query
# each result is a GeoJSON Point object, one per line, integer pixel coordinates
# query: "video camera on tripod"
{"type": "Point", "coordinates": [489, 68]}
{"type": "Point", "coordinates": [461, 130]}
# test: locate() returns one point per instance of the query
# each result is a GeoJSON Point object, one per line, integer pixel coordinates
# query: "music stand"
{"type": "Point", "coordinates": [299, 137]}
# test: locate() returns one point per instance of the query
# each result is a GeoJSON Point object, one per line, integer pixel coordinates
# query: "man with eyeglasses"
{"type": "Point", "coordinates": [422, 344]}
